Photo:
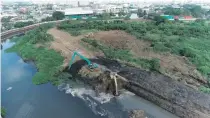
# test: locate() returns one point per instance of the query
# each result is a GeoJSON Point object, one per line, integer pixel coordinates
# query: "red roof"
{"type": "Point", "coordinates": [187, 17]}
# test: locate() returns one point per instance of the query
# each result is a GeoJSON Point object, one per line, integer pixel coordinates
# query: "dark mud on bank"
{"type": "Point", "coordinates": [163, 91]}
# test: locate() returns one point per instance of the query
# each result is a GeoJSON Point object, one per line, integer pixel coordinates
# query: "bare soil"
{"type": "Point", "coordinates": [177, 67]}
{"type": "Point", "coordinates": [67, 44]}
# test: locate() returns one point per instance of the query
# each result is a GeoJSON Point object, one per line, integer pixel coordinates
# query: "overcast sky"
{"type": "Point", "coordinates": [148, 1]}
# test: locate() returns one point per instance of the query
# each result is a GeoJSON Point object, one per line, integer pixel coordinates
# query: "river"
{"type": "Point", "coordinates": [22, 99]}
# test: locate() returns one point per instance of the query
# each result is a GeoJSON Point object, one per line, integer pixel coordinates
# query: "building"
{"type": "Point", "coordinates": [78, 13]}
{"type": "Point", "coordinates": [180, 18]}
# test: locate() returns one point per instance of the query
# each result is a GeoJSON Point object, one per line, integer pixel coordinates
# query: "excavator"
{"type": "Point", "coordinates": [94, 67]}
{"type": "Point", "coordinates": [91, 65]}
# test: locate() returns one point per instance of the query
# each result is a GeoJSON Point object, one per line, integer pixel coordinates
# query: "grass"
{"type": "Point", "coordinates": [205, 89]}
{"type": "Point", "coordinates": [48, 61]}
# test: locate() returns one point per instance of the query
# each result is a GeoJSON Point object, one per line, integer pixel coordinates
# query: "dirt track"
{"type": "Point", "coordinates": [67, 44]}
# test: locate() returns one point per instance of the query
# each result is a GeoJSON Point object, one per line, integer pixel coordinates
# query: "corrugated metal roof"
{"type": "Point", "coordinates": [75, 11]}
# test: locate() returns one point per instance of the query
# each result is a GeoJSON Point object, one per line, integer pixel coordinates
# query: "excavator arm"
{"type": "Point", "coordinates": [91, 66]}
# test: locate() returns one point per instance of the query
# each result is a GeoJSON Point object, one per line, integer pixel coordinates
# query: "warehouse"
{"type": "Point", "coordinates": [78, 13]}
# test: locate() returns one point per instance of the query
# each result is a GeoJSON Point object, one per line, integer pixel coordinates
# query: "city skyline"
{"type": "Point", "coordinates": [125, 1]}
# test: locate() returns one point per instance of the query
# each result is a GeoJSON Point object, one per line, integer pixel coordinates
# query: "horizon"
{"type": "Point", "coordinates": [109, 1]}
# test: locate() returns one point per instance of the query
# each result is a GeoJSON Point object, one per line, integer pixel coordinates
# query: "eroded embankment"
{"type": "Point", "coordinates": [167, 93]}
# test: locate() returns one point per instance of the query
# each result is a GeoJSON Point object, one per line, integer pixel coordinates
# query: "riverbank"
{"type": "Point", "coordinates": [26, 100]}
{"type": "Point", "coordinates": [50, 64]}
{"type": "Point", "coordinates": [163, 91]}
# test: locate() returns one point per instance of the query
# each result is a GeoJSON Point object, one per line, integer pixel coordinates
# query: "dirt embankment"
{"type": "Point", "coordinates": [177, 67]}
{"type": "Point", "coordinates": [162, 90]}
{"type": "Point", "coordinates": [167, 93]}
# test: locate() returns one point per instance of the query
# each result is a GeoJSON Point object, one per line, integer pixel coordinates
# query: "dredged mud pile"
{"type": "Point", "coordinates": [165, 92]}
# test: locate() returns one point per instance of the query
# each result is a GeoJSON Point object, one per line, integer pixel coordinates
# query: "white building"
{"type": "Point", "coordinates": [112, 8]}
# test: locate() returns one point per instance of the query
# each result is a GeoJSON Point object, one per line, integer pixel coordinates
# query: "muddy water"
{"type": "Point", "coordinates": [22, 99]}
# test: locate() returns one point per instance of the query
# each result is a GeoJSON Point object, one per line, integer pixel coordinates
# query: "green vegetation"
{"type": "Point", "coordinates": [185, 39]}
{"type": "Point", "coordinates": [3, 112]}
{"type": "Point", "coordinates": [193, 10]}
{"type": "Point", "coordinates": [6, 19]}
{"type": "Point", "coordinates": [141, 13]}
{"type": "Point", "coordinates": [23, 24]}
{"type": "Point", "coordinates": [57, 15]}
{"type": "Point", "coordinates": [205, 89]}
{"type": "Point", "coordinates": [48, 19]}
{"type": "Point", "coordinates": [48, 61]}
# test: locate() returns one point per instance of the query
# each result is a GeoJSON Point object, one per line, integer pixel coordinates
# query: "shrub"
{"type": "Point", "coordinates": [41, 78]}
{"type": "Point", "coordinates": [204, 89]}
{"type": "Point", "coordinates": [3, 112]}
{"type": "Point", "coordinates": [23, 24]}
{"type": "Point", "coordinates": [187, 52]}
{"type": "Point", "coordinates": [155, 64]}
{"type": "Point", "coordinates": [48, 61]}
{"type": "Point", "coordinates": [74, 33]}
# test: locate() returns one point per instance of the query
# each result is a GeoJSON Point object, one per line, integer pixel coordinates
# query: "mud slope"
{"type": "Point", "coordinates": [169, 94]}
{"type": "Point", "coordinates": [162, 90]}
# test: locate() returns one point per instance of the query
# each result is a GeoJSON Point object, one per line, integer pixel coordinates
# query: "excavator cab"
{"type": "Point", "coordinates": [93, 66]}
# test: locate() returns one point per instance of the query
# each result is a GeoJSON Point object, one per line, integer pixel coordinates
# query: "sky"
{"type": "Point", "coordinates": [147, 1]}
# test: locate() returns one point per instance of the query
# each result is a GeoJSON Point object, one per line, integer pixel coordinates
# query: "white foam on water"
{"type": "Point", "coordinates": [92, 100]}
{"type": "Point", "coordinates": [9, 88]}
{"type": "Point", "coordinates": [80, 92]}
{"type": "Point", "coordinates": [95, 107]}
{"type": "Point", "coordinates": [89, 96]}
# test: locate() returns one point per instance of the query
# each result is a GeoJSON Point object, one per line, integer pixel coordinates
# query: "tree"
{"type": "Point", "coordinates": [121, 13]}
{"type": "Point", "coordinates": [6, 26]}
{"type": "Point", "coordinates": [159, 20]}
{"type": "Point", "coordinates": [151, 16]}
{"type": "Point", "coordinates": [5, 19]}
{"type": "Point", "coordinates": [23, 24]}
{"type": "Point", "coordinates": [127, 17]}
{"type": "Point", "coordinates": [58, 15]}
{"type": "Point", "coordinates": [48, 19]}
{"type": "Point", "coordinates": [172, 11]}
{"type": "Point", "coordinates": [3, 112]}
{"type": "Point", "coordinates": [111, 14]}
{"type": "Point", "coordinates": [105, 16]}
{"type": "Point", "coordinates": [195, 10]}
{"type": "Point", "coordinates": [140, 13]}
